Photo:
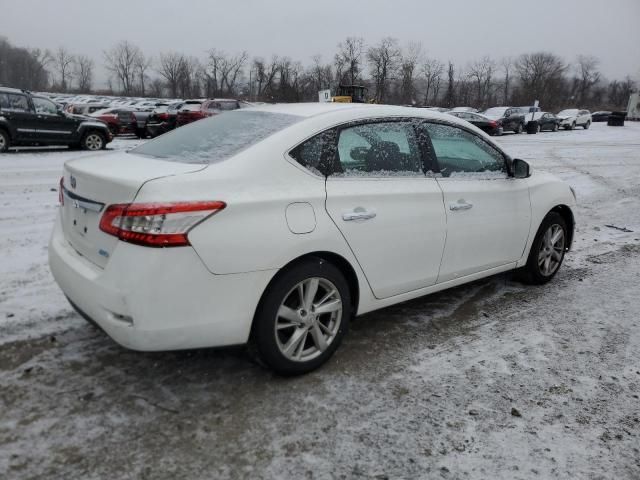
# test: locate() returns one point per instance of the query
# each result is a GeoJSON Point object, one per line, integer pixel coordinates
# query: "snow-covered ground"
{"type": "Point", "coordinates": [490, 380]}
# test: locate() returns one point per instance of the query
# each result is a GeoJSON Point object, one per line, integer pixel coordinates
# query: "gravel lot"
{"type": "Point", "coordinates": [487, 381]}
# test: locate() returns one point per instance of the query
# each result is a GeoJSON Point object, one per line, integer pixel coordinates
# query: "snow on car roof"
{"type": "Point", "coordinates": [358, 109]}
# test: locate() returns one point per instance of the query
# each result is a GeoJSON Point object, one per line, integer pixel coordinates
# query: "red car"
{"type": "Point", "coordinates": [193, 110]}
{"type": "Point", "coordinates": [120, 120]}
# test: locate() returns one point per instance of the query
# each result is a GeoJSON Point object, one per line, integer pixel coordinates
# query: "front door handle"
{"type": "Point", "coordinates": [358, 213]}
{"type": "Point", "coordinates": [460, 205]}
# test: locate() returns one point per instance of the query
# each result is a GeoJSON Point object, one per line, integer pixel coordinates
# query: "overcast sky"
{"type": "Point", "coordinates": [457, 30]}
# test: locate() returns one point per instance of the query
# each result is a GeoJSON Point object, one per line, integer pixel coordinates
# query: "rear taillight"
{"type": "Point", "coordinates": [493, 124]}
{"type": "Point", "coordinates": [156, 224]}
{"type": "Point", "coordinates": [61, 191]}
{"type": "Point", "coordinates": [163, 116]}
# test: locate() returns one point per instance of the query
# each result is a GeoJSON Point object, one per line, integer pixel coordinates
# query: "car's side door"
{"type": "Point", "coordinates": [16, 108]}
{"type": "Point", "coordinates": [488, 211]}
{"type": "Point", "coordinates": [389, 212]}
{"type": "Point", "coordinates": [52, 126]}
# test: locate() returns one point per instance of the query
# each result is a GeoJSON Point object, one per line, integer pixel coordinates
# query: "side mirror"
{"type": "Point", "coordinates": [521, 168]}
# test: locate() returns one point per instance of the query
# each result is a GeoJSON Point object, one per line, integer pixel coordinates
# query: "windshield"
{"type": "Point", "coordinates": [568, 113]}
{"type": "Point", "coordinates": [216, 138]}
{"type": "Point", "coordinates": [495, 112]}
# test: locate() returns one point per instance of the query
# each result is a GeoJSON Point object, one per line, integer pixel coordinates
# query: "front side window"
{"type": "Point", "coordinates": [462, 154]}
{"type": "Point", "coordinates": [379, 150]}
{"type": "Point", "coordinates": [42, 105]}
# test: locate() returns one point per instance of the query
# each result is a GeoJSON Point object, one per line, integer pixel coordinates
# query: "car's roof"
{"type": "Point", "coordinates": [11, 90]}
{"type": "Point", "coordinates": [358, 109]}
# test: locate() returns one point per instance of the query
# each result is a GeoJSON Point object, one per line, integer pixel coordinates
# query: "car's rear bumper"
{"type": "Point", "coordinates": [158, 299]}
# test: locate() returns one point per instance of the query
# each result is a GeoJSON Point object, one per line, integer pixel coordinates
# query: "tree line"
{"type": "Point", "coordinates": [393, 73]}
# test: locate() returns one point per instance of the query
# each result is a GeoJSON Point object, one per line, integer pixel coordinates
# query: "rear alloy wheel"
{"type": "Point", "coordinates": [586, 125]}
{"type": "Point", "coordinates": [93, 141]}
{"type": "Point", "coordinates": [547, 250]}
{"type": "Point", "coordinates": [4, 141]}
{"type": "Point", "coordinates": [302, 318]}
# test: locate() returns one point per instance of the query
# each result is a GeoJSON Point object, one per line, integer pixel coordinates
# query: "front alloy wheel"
{"type": "Point", "coordinates": [302, 318]}
{"type": "Point", "coordinates": [93, 141]}
{"type": "Point", "coordinates": [4, 141]}
{"type": "Point", "coordinates": [547, 250]}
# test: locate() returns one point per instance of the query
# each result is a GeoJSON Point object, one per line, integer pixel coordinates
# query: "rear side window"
{"type": "Point", "coordinates": [216, 138]}
{"type": "Point", "coordinates": [13, 102]}
{"type": "Point", "coordinates": [460, 153]}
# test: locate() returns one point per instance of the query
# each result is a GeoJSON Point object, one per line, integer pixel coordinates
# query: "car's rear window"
{"type": "Point", "coordinates": [192, 107]}
{"type": "Point", "coordinates": [216, 138]}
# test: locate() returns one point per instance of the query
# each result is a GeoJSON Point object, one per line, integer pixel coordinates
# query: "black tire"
{"type": "Point", "coordinates": [93, 140]}
{"type": "Point", "coordinates": [555, 127]}
{"type": "Point", "coordinates": [586, 125]}
{"type": "Point", "coordinates": [533, 273]}
{"type": "Point", "coordinates": [5, 141]}
{"type": "Point", "coordinates": [264, 341]}
{"type": "Point", "coordinates": [573, 126]}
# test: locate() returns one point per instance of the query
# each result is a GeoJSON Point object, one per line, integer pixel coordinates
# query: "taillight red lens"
{"type": "Point", "coordinates": [156, 224]}
{"type": "Point", "coordinates": [61, 191]}
{"type": "Point", "coordinates": [493, 124]}
{"type": "Point", "coordinates": [163, 116]}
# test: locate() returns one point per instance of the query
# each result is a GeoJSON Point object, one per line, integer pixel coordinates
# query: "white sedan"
{"type": "Point", "coordinates": [572, 118]}
{"type": "Point", "coordinates": [275, 225]}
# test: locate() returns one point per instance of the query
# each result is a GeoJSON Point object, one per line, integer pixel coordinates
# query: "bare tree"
{"type": "Point", "coordinates": [481, 73]}
{"type": "Point", "coordinates": [63, 62]}
{"type": "Point", "coordinates": [541, 77]}
{"type": "Point", "coordinates": [319, 74]}
{"type": "Point", "coordinates": [349, 58]}
{"type": "Point", "coordinates": [409, 62]}
{"type": "Point", "coordinates": [383, 62]}
{"type": "Point", "coordinates": [507, 65]}
{"type": "Point", "coordinates": [223, 71]}
{"type": "Point", "coordinates": [83, 71]}
{"type": "Point", "coordinates": [432, 70]}
{"type": "Point", "coordinates": [450, 98]}
{"type": "Point", "coordinates": [142, 65]}
{"type": "Point", "coordinates": [121, 60]}
{"type": "Point", "coordinates": [170, 68]}
{"type": "Point", "coordinates": [588, 76]}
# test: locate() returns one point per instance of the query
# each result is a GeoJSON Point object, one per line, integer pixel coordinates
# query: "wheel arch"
{"type": "Point", "coordinates": [324, 256]}
{"type": "Point", "coordinates": [567, 214]}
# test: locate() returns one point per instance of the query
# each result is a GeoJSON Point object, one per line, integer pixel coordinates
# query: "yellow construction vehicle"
{"type": "Point", "coordinates": [350, 94]}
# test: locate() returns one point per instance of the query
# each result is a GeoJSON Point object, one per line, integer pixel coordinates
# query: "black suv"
{"type": "Point", "coordinates": [27, 119]}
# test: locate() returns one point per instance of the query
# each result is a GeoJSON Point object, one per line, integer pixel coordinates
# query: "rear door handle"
{"type": "Point", "coordinates": [460, 205]}
{"type": "Point", "coordinates": [358, 213]}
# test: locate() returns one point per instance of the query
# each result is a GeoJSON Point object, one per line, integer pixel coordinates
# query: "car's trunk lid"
{"type": "Point", "coordinates": [93, 183]}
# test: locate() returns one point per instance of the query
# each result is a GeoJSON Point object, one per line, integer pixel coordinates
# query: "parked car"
{"type": "Point", "coordinates": [162, 120]}
{"type": "Point", "coordinates": [464, 109]}
{"type": "Point", "coordinates": [527, 111]}
{"type": "Point", "coordinates": [546, 121]}
{"type": "Point", "coordinates": [121, 120]}
{"type": "Point", "coordinates": [492, 127]}
{"type": "Point", "coordinates": [509, 117]}
{"type": "Point", "coordinates": [193, 110]}
{"type": "Point", "coordinates": [572, 118]}
{"type": "Point", "coordinates": [601, 116]}
{"type": "Point", "coordinates": [84, 108]}
{"type": "Point", "coordinates": [365, 206]}
{"type": "Point", "coordinates": [27, 119]}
